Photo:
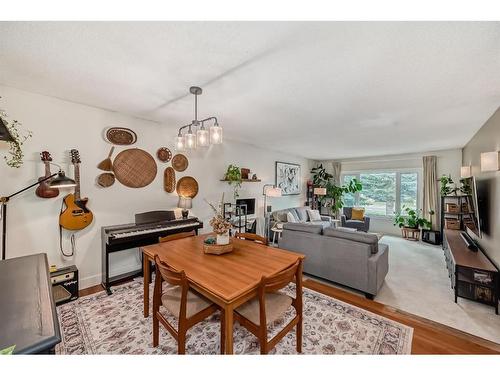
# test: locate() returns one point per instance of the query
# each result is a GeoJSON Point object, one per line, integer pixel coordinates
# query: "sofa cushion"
{"type": "Point", "coordinates": [290, 218]}
{"type": "Point", "coordinates": [368, 238]}
{"type": "Point", "coordinates": [347, 212]}
{"type": "Point", "coordinates": [302, 214]}
{"type": "Point", "coordinates": [280, 215]}
{"type": "Point", "coordinates": [304, 227]}
{"type": "Point", "coordinates": [358, 214]}
{"type": "Point", "coordinates": [313, 215]}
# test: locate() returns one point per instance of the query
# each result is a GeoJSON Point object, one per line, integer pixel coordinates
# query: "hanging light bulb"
{"type": "Point", "coordinates": [202, 136]}
{"type": "Point", "coordinates": [190, 140]}
{"type": "Point", "coordinates": [215, 134]}
{"type": "Point", "coordinates": [179, 142]}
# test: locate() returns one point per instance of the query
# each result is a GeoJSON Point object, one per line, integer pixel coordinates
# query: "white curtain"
{"type": "Point", "coordinates": [430, 202]}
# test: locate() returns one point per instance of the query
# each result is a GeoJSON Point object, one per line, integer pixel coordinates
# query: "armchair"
{"type": "Point", "coordinates": [347, 221]}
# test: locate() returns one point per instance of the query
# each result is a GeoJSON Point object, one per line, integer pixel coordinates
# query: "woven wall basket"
{"type": "Point", "coordinates": [187, 187]}
{"type": "Point", "coordinates": [169, 180]}
{"type": "Point", "coordinates": [134, 168]}
{"type": "Point", "coordinates": [180, 162]}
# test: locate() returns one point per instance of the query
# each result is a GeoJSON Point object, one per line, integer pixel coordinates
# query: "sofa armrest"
{"type": "Point", "coordinates": [326, 218]}
{"type": "Point", "coordinates": [343, 219]}
{"type": "Point", "coordinates": [367, 223]}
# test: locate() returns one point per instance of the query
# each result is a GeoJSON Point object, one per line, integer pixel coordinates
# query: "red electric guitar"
{"type": "Point", "coordinates": [44, 190]}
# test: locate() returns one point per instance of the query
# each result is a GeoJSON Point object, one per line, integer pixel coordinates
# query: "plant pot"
{"type": "Point", "coordinates": [222, 239]}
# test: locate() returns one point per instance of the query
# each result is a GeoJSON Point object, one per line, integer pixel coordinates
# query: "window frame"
{"type": "Point", "coordinates": [398, 172]}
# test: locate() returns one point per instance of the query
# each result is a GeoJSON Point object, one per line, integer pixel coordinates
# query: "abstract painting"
{"type": "Point", "coordinates": [288, 178]}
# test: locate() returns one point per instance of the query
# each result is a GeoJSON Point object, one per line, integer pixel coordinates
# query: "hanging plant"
{"type": "Point", "coordinates": [20, 136]}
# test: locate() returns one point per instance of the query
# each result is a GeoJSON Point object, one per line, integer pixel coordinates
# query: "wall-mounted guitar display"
{"type": "Point", "coordinates": [44, 190]}
{"type": "Point", "coordinates": [76, 215]}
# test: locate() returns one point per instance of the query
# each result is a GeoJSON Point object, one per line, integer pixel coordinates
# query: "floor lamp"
{"type": "Point", "coordinates": [271, 191]}
{"type": "Point", "coordinates": [60, 181]}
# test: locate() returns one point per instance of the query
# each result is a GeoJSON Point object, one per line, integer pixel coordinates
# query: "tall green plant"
{"type": "Point", "coordinates": [335, 194]}
{"type": "Point", "coordinates": [320, 176]}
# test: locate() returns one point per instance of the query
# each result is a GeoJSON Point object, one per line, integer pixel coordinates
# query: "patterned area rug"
{"type": "Point", "coordinates": [102, 324]}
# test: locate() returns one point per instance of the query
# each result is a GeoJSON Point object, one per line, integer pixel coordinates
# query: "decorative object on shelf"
{"type": "Point", "coordinates": [180, 162]}
{"type": "Point", "coordinates": [451, 223]}
{"type": "Point", "coordinates": [233, 177]}
{"type": "Point", "coordinates": [210, 246]}
{"type": "Point", "coordinates": [490, 161]}
{"type": "Point", "coordinates": [452, 208]}
{"type": "Point", "coordinates": [106, 179]}
{"type": "Point", "coordinates": [169, 180]}
{"type": "Point", "coordinates": [164, 154]}
{"type": "Point", "coordinates": [219, 224]}
{"type": "Point", "coordinates": [15, 136]}
{"type": "Point", "coordinates": [107, 164]}
{"type": "Point", "coordinates": [59, 182]}
{"type": "Point", "coordinates": [203, 137]}
{"type": "Point", "coordinates": [134, 168]}
{"type": "Point", "coordinates": [187, 186]}
{"type": "Point", "coordinates": [44, 190]}
{"type": "Point", "coordinates": [185, 203]}
{"type": "Point", "coordinates": [446, 189]}
{"type": "Point", "coordinates": [254, 177]}
{"type": "Point", "coordinates": [121, 136]}
{"type": "Point", "coordinates": [410, 221]}
{"type": "Point", "coordinates": [288, 178]}
{"type": "Point", "coordinates": [244, 173]}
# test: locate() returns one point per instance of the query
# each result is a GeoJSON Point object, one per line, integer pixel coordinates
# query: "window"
{"type": "Point", "coordinates": [384, 192]}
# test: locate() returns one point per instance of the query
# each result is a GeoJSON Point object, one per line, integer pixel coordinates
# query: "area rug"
{"type": "Point", "coordinates": [102, 324]}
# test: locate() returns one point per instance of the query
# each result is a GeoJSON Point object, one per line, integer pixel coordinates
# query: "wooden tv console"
{"type": "Point", "coordinates": [473, 276]}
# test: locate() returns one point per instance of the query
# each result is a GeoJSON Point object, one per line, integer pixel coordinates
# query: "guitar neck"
{"type": "Point", "coordinates": [77, 180]}
{"type": "Point", "coordinates": [47, 168]}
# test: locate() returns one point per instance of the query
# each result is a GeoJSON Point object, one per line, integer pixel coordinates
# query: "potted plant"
{"type": "Point", "coordinates": [335, 194]}
{"type": "Point", "coordinates": [233, 177]}
{"type": "Point", "coordinates": [411, 219]}
{"type": "Point", "coordinates": [320, 176]}
{"type": "Point", "coordinates": [15, 147]}
{"type": "Point", "coordinates": [220, 225]}
{"type": "Point", "coordinates": [446, 189]}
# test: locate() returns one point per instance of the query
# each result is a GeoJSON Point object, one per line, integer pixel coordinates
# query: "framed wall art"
{"type": "Point", "coordinates": [288, 178]}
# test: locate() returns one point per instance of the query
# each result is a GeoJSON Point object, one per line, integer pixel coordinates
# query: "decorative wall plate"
{"type": "Point", "coordinates": [169, 180]}
{"type": "Point", "coordinates": [106, 179]}
{"type": "Point", "coordinates": [187, 187]}
{"type": "Point", "coordinates": [134, 168]}
{"type": "Point", "coordinates": [180, 162]}
{"type": "Point", "coordinates": [164, 154]}
{"type": "Point", "coordinates": [121, 136]}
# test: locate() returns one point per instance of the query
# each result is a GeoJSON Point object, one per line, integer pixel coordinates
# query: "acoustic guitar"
{"type": "Point", "coordinates": [76, 215]}
{"type": "Point", "coordinates": [44, 190]}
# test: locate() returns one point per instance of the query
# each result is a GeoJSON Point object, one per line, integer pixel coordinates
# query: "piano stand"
{"type": "Point", "coordinates": [109, 247]}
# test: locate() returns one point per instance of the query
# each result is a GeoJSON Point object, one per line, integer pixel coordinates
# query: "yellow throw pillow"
{"type": "Point", "coordinates": [358, 214]}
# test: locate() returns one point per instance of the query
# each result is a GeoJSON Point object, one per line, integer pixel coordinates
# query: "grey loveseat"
{"type": "Point", "coordinates": [346, 219]}
{"type": "Point", "coordinates": [353, 259]}
{"type": "Point", "coordinates": [300, 213]}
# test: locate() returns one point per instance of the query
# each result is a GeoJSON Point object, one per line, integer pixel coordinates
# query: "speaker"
{"type": "Point", "coordinates": [64, 284]}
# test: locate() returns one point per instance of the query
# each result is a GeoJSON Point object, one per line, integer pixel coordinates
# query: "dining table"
{"type": "Point", "coordinates": [228, 280]}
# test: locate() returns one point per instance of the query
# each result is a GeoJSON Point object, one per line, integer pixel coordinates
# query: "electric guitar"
{"type": "Point", "coordinates": [44, 190]}
{"type": "Point", "coordinates": [76, 215]}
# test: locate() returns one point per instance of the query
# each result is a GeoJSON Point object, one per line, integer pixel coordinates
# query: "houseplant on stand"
{"type": "Point", "coordinates": [411, 219]}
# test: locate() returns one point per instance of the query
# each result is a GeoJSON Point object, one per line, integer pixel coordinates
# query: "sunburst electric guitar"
{"type": "Point", "coordinates": [76, 215]}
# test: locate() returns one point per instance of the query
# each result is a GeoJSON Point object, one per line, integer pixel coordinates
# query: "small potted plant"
{"type": "Point", "coordinates": [220, 225]}
{"type": "Point", "coordinates": [233, 177]}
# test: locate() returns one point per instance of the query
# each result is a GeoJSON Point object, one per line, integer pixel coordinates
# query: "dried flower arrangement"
{"type": "Point", "coordinates": [15, 147]}
{"type": "Point", "coordinates": [219, 224]}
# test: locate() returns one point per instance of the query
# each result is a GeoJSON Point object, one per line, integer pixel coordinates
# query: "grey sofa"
{"type": "Point", "coordinates": [347, 222]}
{"type": "Point", "coordinates": [353, 259]}
{"type": "Point", "coordinates": [300, 213]}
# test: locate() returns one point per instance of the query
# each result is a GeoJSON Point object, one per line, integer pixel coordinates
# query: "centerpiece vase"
{"type": "Point", "coordinates": [223, 239]}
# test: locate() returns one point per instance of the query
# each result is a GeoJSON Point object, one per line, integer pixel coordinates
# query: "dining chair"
{"type": "Point", "coordinates": [177, 236]}
{"type": "Point", "coordinates": [251, 237]}
{"type": "Point", "coordinates": [270, 305]}
{"type": "Point", "coordinates": [179, 300]}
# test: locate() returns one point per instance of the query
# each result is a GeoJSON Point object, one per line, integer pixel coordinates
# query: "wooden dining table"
{"type": "Point", "coordinates": [228, 280]}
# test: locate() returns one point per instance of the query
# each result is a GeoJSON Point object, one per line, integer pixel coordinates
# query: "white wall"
{"type": "Point", "coordinates": [59, 126]}
{"type": "Point", "coordinates": [448, 162]}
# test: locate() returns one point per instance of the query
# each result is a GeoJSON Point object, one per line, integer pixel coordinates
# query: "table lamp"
{"type": "Point", "coordinates": [185, 203]}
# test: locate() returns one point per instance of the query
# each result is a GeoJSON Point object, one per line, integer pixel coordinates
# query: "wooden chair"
{"type": "Point", "coordinates": [187, 306]}
{"type": "Point", "coordinates": [177, 236]}
{"type": "Point", "coordinates": [251, 237]}
{"type": "Point", "coordinates": [269, 305]}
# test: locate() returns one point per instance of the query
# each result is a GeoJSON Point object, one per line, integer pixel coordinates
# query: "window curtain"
{"type": "Point", "coordinates": [336, 169]}
{"type": "Point", "coordinates": [430, 201]}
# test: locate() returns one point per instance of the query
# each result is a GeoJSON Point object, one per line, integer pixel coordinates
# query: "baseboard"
{"type": "Point", "coordinates": [90, 281]}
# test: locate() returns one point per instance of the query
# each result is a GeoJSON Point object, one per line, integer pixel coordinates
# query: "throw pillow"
{"type": "Point", "coordinates": [358, 214]}
{"type": "Point", "coordinates": [290, 218]}
{"type": "Point", "coordinates": [314, 215]}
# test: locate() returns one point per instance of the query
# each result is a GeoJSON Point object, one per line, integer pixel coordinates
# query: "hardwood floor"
{"type": "Point", "coordinates": [429, 337]}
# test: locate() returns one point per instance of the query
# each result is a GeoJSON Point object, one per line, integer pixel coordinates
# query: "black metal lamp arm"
{"type": "Point", "coordinates": [6, 199]}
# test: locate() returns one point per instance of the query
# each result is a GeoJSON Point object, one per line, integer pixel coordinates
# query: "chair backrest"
{"type": "Point", "coordinates": [347, 212]}
{"type": "Point", "coordinates": [280, 280]}
{"type": "Point", "coordinates": [168, 274]}
{"type": "Point", "coordinates": [177, 236]}
{"type": "Point", "coordinates": [251, 237]}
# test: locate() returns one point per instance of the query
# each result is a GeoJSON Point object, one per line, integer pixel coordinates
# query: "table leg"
{"type": "Point", "coordinates": [228, 329]}
{"type": "Point", "coordinates": [146, 276]}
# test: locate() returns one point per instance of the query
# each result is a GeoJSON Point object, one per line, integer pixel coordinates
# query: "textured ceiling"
{"type": "Point", "coordinates": [320, 90]}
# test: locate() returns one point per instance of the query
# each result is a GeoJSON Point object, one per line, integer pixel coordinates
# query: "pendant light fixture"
{"type": "Point", "coordinates": [201, 137]}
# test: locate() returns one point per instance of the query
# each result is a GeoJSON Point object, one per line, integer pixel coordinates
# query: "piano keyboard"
{"type": "Point", "coordinates": [125, 234]}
